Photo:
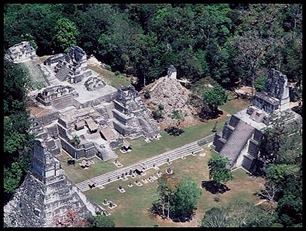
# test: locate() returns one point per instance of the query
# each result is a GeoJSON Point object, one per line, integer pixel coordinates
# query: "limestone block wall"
{"type": "Point", "coordinates": [81, 152]}
{"type": "Point", "coordinates": [234, 120]}
{"type": "Point", "coordinates": [227, 131]}
{"type": "Point", "coordinates": [49, 118]}
{"type": "Point", "coordinates": [53, 131]}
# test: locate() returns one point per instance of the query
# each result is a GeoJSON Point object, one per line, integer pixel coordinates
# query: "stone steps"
{"type": "Point", "coordinates": [157, 160]}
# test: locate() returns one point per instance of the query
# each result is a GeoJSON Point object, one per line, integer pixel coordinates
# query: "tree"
{"type": "Point", "coordinates": [219, 170]}
{"type": "Point", "coordinates": [185, 198]}
{"type": "Point", "coordinates": [215, 217]}
{"type": "Point", "coordinates": [260, 83]}
{"type": "Point", "coordinates": [237, 213]}
{"type": "Point", "coordinates": [66, 34]}
{"type": "Point", "coordinates": [18, 141]}
{"type": "Point", "coordinates": [178, 116]}
{"type": "Point", "coordinates": [167, 186]}
{"type": "Point", "coordinates": [12, 178]}
{"type": "Point", "coordinates": [212, 98]}
{"type": "Point", "coordinates": [252, 47]}
{"type": "Point", "coordinates": [102, 221]}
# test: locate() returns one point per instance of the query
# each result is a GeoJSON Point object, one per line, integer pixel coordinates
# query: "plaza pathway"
{"type": "Point", "coordinates": [144, 165]}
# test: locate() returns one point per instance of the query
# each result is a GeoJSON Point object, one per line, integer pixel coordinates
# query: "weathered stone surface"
{"type": "Point", "coordinates": [45, 194]}
{"type": "Point", "coordinates": [132, 118]}
{"type": "Point", "coordinates": [240, 139]}
{"type": "Point", "coordinates": [20, 52]}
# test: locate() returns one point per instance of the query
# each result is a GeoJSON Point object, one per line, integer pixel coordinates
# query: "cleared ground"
{"type": "Point", "coordinates": [133, 206]}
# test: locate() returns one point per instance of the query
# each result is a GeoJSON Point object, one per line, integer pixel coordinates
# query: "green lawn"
{"type": "Point", "coordinates": [116, 81]}
{"type": "Point", "coordinates": [134, 204]}
{"type": "Point", "coordinates": [141, 150]}
{"type": "Point", "coordinates": [234, 105]}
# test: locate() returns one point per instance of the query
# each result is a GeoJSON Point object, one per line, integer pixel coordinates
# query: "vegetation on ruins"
{"type": "Point", "coordinates": [18, 143]}
{"type": "Point", "coordinates": [176, 199]}
{"type": "Point", "coordinates": [219, 171]}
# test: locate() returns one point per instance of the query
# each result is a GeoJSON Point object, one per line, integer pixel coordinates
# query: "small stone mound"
{"type": "Point", "coordinates": [173, 96]}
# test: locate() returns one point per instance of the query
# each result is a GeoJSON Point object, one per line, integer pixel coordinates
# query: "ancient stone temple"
{"type": "Point", "coordinates": [241, 137]}
{"type": "Point", "coordinates": [71, 67]}
{"type": "Point", "coordinates": [20, 52]}
{"type": "Point", "coordinates": [132, 118]}
{"type": "Point", "coordinates": [46, 195]}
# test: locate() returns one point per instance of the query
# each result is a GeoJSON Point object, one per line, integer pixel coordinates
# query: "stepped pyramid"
{"type": "Point", "coordinates": [45, 195]}
{"type": "Point", "coordinates": [240, 140]}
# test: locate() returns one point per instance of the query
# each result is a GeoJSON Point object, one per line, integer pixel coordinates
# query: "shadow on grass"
{"type": "Point", "coordinates": [211, 187]}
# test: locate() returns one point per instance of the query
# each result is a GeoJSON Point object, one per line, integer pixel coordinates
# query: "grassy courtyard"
{"type": "Point", "coordinates": [116, 81]}
{"type": "Point", "coordinates": [133, 206]}
{"type": "Point", "coordinates": [143, 150]}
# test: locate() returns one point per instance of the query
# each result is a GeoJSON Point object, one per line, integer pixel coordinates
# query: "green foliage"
{"type": "Point", "coordinates": [66, 34]}
{"type": "Point", "coordinates": [102, 221]}
{"type": "Point", "coordinates": [215, 217]}
{"type": "Point", "coordinates": [259, 83]}
{"type": "Point", "coordinates": [144, 39]}
{"type": "Point", "coordinates": [219, 170]}
{"type": "Point", "coordinates": [178, 116]}
{"type": "Point", "coordinates": [178, 197]}
{"type": "Point", "coordinates": [18, 142]}
{"type": "Point", "coordinates": [146, 94]}
{"type": "Point", "coordinates": [157, 114]}
{"type": "Point", "coordinates": [213, 98]}
{"type": "Point", "coordinates": [185, 198]}
{"type": "Point", "coordinates": [237, 213]}
{"type": "Point", "coordinates": [289, 210]}
{"type": "Point", "coordinates": [75, 141]}
{"type": "Point", "coordinates": [12, 178]}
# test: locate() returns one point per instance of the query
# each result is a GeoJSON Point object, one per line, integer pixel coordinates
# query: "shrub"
{"type": "Point", "coordinates": [146, 94]}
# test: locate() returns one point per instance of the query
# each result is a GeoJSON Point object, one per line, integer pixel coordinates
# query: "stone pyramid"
{"type": "Point", "coordinates": [46, 195]}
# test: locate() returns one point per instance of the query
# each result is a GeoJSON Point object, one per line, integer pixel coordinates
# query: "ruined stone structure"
{"type": "Point", "coordinates": [99, 114]}
{"type": "Point", "coordinates": [241, 137]}
{"type": "Point", "coordinates": [20, 52]}
{"type": "Point", "coordinates": [76, 103]}
{"type": "Point", "coordinates": [171, 73]}
{"type": "Point", "coordinates": [132, 118]}
{"type": "Point", "coordinates": [71, 67]}
{"type": "Point", "coordinates": [275, 95]}
{"type": "Point", "coordinates": [45, 194]}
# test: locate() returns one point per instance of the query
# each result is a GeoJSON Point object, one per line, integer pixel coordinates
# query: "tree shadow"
{"type": "Point", "coordinates": [211, 187]}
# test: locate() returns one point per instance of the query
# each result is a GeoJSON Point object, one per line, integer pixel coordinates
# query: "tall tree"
{"type": "Point", "coordinates": [185, 198]}
{"type": "Point", "coordinates": [219, 170]}
{"type": "Point", "coordinates": [167, 186]}
{"type": "Point", "coordinates": [66, 34]}
{"type": "Point", "coordinates": [212, 98]}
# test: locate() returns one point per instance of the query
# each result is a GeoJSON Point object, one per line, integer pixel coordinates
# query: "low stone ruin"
{"type": "Point", "coordinates": [56, 93]}
{"type": "Point", "coordinates": [172, 96]}
{"type": "Point", "coordinates": [20, 52]}
{"type": "Point", "coordinates": [94, 83]}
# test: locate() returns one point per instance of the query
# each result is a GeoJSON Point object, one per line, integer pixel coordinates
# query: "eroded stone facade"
{"type": "Point", "coordinates": [241, 137]}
